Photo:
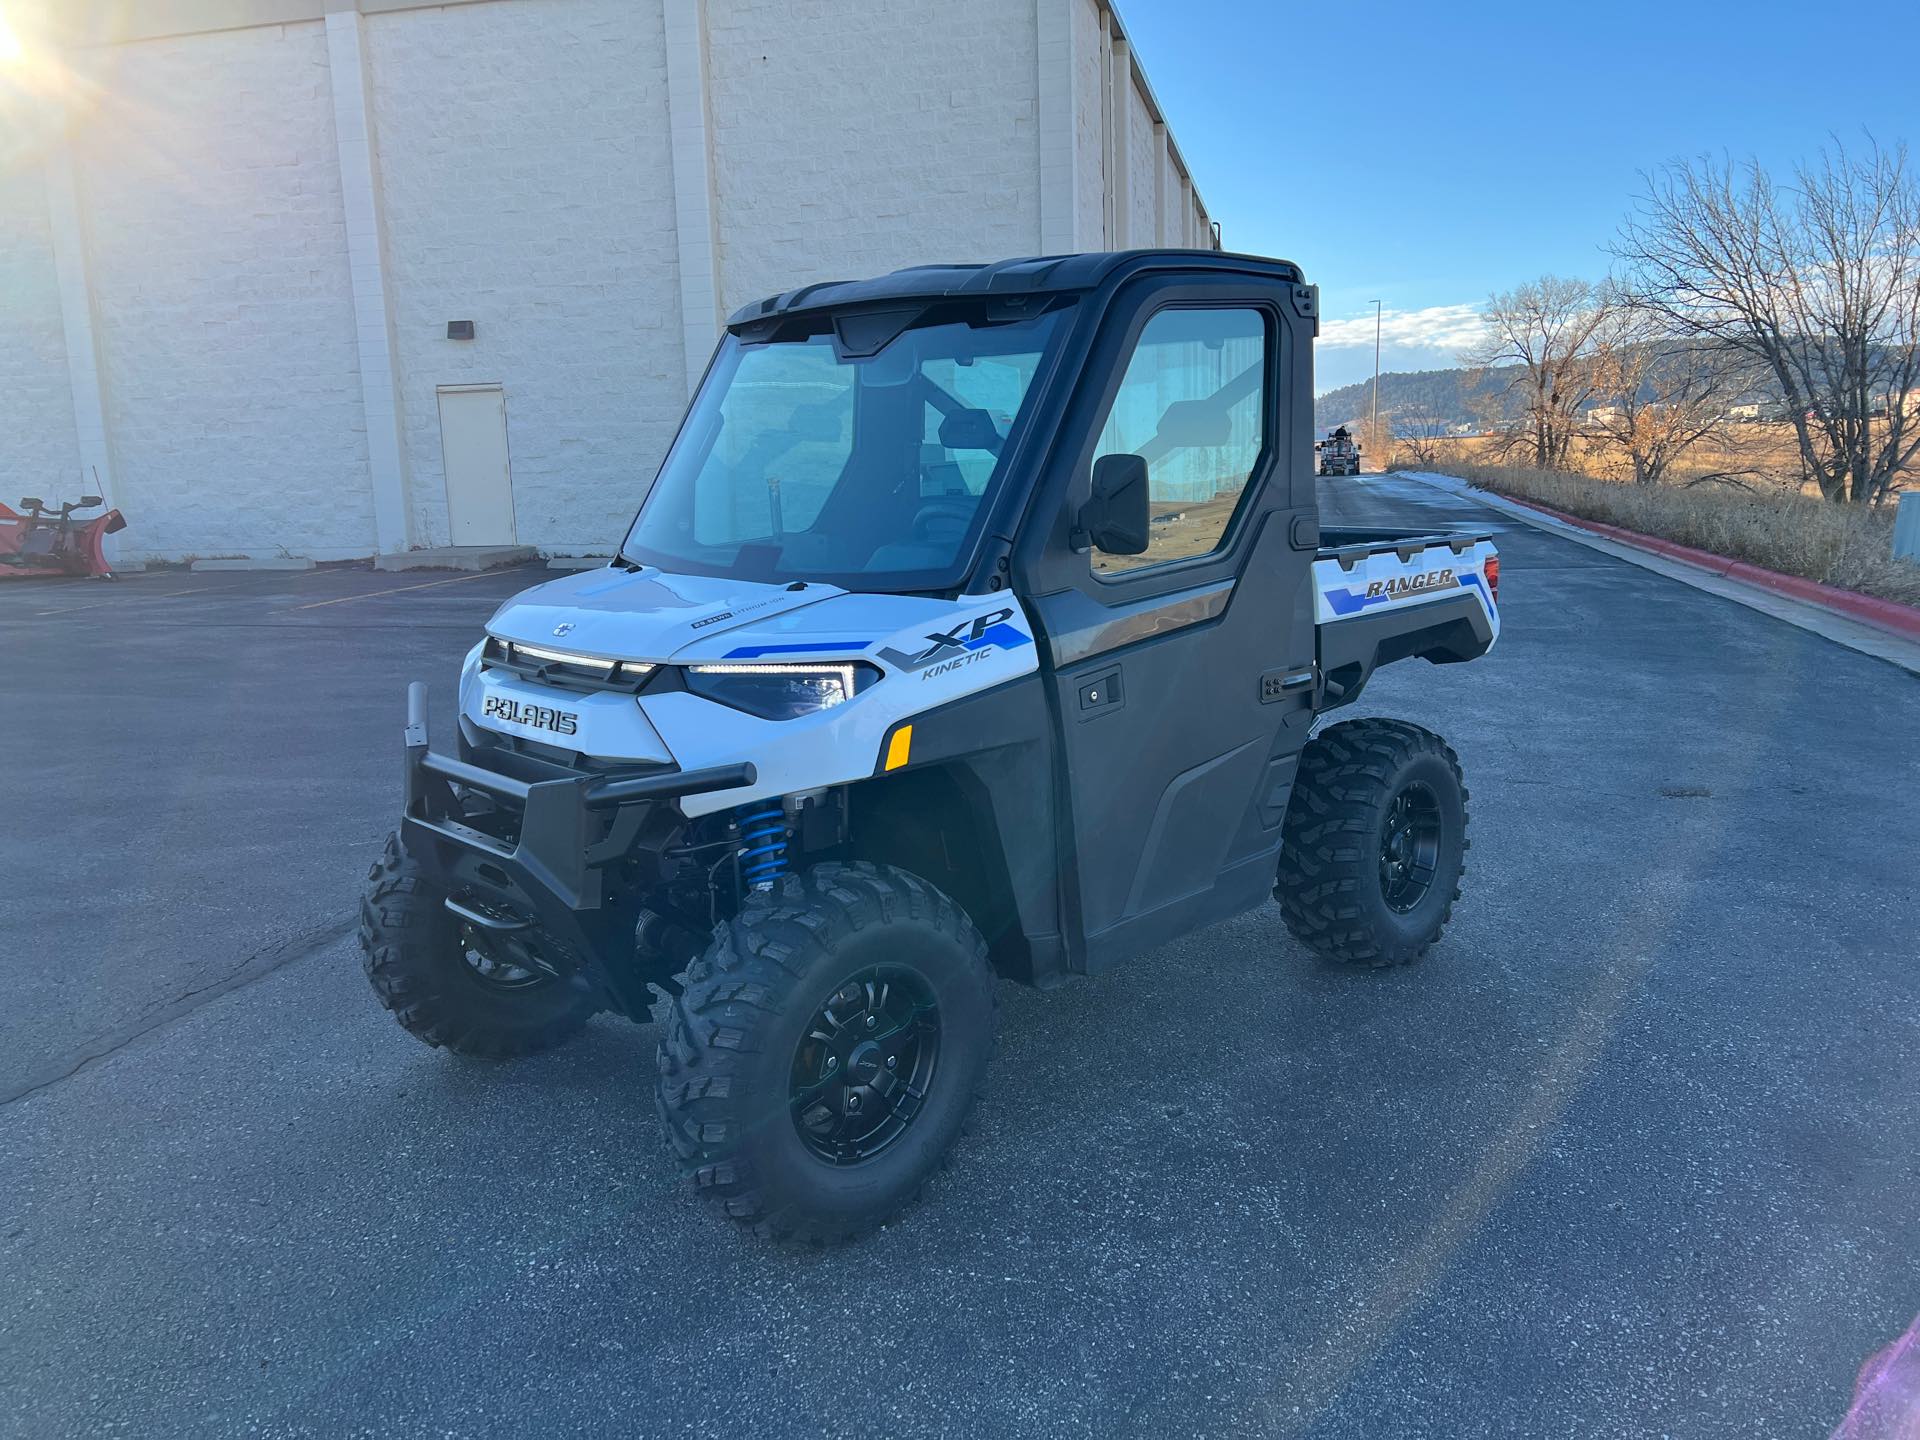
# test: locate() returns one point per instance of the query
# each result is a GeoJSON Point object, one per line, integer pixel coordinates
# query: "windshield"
{"type": "Point", "coordinates": [801, 462]}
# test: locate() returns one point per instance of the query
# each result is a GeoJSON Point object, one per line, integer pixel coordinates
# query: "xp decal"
{"type": "Point", "coordinates": [539, 717]}
{"type": "Point", "coordinates": [950, 649]}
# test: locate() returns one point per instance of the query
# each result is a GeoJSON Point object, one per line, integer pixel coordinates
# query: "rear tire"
{"type": "Point", "coordinates": [417, 960]}
{"type": "Point", "coordinates": [1374, 843]}
{"type": "Point", "coordinates": [846, 999]}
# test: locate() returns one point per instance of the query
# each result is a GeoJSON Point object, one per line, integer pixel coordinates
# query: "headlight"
{"type": "Point", "coordinates": [780, 692]}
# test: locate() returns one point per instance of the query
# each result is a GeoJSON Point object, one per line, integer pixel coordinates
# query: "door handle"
{"type": "Point", "coordinates": [1278, 685]}
{"type": "Point", "coordinates": [1103, 692]}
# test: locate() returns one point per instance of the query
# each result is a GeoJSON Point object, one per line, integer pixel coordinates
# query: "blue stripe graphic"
{"type": "Point", "coordinates": [1003, 635]}
{"type": "Point", "coordinates": [818, 647]}
{"type": "Point", "coordinates": [1352, 602]}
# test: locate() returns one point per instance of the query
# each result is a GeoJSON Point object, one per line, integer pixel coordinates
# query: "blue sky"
{"type": "Point", "coordinates": [1430, 154]}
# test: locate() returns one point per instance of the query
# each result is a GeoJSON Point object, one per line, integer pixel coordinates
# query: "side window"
{"type": "Point", "coordinates": [1192, 405]}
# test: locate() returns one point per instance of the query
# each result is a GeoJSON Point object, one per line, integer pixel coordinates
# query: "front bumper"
{"type": "Point", "coordinates": [552, 834]}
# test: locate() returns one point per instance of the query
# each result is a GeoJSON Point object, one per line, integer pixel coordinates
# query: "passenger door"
{"type": "Point", "coordinates": [1182, 677]}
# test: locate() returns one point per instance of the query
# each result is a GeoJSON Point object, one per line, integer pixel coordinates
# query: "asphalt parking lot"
{"type": "Point", "coordinates": [1633, 1152]}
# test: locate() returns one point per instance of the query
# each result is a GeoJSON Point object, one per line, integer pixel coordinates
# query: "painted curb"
{"type": "Point", "coordinates": [1889, 615]}
{"type": "Point", "coordinates": [252, 562]}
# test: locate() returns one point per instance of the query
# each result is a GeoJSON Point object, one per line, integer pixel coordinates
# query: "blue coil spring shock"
{"type": "Point", "coordinates": [763, 843]}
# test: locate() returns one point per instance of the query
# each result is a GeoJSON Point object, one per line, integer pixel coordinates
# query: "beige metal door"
{"type": "Point", "coordinates": [473, 449]}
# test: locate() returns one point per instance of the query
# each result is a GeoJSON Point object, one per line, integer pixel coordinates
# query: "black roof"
{"type": "Point", "coordinates": [1033, 275]}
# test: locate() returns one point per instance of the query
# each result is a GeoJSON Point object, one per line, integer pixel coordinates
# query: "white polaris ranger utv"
{"type": "Point", "coordinates": [976, 625]}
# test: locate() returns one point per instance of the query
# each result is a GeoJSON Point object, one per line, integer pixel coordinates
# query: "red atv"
{"type": "Point", "coordinates": [38, 543]}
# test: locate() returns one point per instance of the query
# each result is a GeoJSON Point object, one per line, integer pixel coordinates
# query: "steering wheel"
{"type": "Point", "coordinates": [934, 512]}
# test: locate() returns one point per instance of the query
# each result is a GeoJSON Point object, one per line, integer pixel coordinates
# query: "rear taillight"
{"type": "Point", "coordinates": [1491, 568]}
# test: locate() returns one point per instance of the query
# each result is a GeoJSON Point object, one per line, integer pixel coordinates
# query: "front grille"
{"type": "Point", "coordinates": [552, 760]}
{"type": "Point", "coordinates": [565, 669]}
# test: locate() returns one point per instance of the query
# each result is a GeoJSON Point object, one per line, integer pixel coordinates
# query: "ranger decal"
{"type": "Point", "coordinates": [1398, 587]}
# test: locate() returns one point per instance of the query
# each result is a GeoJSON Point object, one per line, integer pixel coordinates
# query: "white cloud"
{"type": "Point", "coordinates": [1437, 327]}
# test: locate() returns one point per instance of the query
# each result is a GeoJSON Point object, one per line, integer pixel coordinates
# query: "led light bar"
{"type": "Point", "coordinates": [560, 657]}
{"type": "Point", "coordinates": [634, 670]}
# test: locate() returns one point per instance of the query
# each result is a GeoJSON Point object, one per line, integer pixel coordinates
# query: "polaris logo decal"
{"type": "Point", "coordinates": [563, 629]}
{"type": "Point", "coordinates": [711, 620]}
{"type": "Point", "coordinates": [538, 717]}
{"type": "Point", "coordinates": [1398, 587]}
{"type": "Point", "coordinates": [948, 650]}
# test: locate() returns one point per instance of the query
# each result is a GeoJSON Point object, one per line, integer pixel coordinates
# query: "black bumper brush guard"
{"type": "Point", "coordinates": [570, 827]}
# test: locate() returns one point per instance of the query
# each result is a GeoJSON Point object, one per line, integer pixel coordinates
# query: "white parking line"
{"type": "Point", "coordinates": [136, 594]}
{"type": "Point", "coordinates": [398, 589]}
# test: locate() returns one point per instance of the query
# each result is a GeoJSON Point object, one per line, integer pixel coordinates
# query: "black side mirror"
{"type": "Point", "coordinates": [970, 430]}
{"type": "Point", "coordinates": [1116, 515]}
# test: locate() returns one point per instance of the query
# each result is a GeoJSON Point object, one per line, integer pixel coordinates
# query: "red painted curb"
{"type": "Point", "coordinates": [1891, 615]}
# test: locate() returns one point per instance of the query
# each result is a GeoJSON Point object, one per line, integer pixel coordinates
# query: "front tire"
{"type": "Point", "coordinates": [444, 984]}
{"type": "Point", "coordinates": [826, 1050]}
{"type": "Point", "coordinates": [1374, 843]}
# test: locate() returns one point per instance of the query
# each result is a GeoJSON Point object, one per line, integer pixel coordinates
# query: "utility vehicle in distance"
{"type": "Point", "coordinates": [976, 626]}
{"type": "Point", "coordinates": [1339, 454]}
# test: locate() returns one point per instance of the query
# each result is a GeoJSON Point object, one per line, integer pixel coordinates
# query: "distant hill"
{"type": "Point", "coordinates": [1446, 398]}
{"type": "Point", "coordinates": [1445, 395]}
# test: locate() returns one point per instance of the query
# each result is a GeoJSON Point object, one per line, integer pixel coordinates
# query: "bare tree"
{"type": "Point", "coordinates": [1818, 281]}
{"type": "Point", "coordinates": [1416, 439]}
{"type": "Point", "coordinates": [1662, 396]}
{"type": "Point", "coordinates": [1375, 438]}
{"type": "Point", "coordinates": [1544, 332]}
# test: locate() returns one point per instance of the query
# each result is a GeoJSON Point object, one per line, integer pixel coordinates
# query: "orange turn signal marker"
{"type": "Point", "coordinates": [898, 747]}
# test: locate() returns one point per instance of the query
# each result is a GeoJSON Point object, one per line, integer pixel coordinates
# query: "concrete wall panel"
{"type": "Point", "coordinates": [852, 137]}
{"type": "Point", "coordinates": [527, 185]}
{"type": "Point", "coordinates": [39, 450]}
{"type": "Point", "coordinates": [209, 180]}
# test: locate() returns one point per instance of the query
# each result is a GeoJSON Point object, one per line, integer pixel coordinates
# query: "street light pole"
{"type": "Point", "coordinates": [1374, 429]}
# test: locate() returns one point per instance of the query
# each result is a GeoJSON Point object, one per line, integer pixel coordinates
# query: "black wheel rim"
{"type": "Point", "coordinates": [495, 963]}
{"type": "Point", "coordinates": [1409, 847]}
{"type": "Point", "coordinates": [863, 1067]}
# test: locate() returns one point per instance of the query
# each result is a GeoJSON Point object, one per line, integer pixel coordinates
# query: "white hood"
{"type": "Point", "coordinates": [929, 652]}
{"type": "Point", "coordinates": [642, 615]}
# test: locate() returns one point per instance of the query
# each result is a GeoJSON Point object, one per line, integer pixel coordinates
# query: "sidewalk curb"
{"type": "Point", "coordinates": [1864, 623]}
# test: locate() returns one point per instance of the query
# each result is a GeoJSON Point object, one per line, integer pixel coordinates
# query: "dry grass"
{"type": "Point", "coordinates": [1768, 451]}
{"type": "Point", "coordinates": [1779, 529]}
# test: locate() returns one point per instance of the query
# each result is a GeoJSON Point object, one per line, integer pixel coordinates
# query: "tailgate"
{"type": "Point", "coordinates": [1388, 574]}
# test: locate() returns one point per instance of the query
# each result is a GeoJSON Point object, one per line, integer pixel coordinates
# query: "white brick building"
{"type": "Point", "coordinates": [233, 234]}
